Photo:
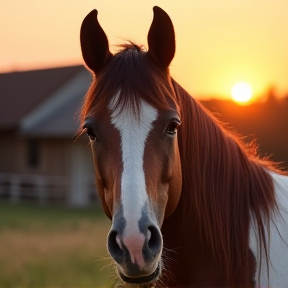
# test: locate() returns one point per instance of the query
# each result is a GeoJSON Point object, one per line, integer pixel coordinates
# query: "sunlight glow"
{"type": "Point", "coordinates": [241, 93]}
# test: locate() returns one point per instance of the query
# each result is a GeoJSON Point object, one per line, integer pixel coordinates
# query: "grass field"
{"type": "Point", "coordinates": [53, 247]}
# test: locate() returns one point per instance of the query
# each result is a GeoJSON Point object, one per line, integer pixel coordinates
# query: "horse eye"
{"type": "Point", "coordinates": [89, 131]}
{"type": "Point", "coordinates": [173, 126]}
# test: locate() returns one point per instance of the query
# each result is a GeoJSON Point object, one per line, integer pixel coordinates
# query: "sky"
{"type": "Point", "coordinates": [218, 43]}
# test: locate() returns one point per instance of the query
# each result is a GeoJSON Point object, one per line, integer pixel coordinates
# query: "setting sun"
{"type": "Point", "coordinates": [241, 93]}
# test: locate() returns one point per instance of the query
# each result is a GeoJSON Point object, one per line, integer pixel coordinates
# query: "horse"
{"type": "Point", "coordinates": [191, 204]}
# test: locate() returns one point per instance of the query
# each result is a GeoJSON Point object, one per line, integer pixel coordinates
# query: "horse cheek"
{"type": "Point", "coordinates": [101, 182]}
{"type": "Point", "coordinates": [175, 185]}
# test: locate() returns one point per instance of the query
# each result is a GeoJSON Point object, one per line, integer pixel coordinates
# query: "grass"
{"type": "Point", "coordinates": [53, 247]}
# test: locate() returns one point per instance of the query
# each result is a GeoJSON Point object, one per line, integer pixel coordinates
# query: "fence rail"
{"type": "Point", "coordinates": [43, 189]}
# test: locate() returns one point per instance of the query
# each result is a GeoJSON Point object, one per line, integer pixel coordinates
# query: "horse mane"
{"type": "Point", "coordinates": [225, 183]}
{"type": "Point", "coordinates": [130, 73]}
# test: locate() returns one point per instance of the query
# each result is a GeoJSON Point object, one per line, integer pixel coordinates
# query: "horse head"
{"type": "Point", "coordinates": [131, 117]}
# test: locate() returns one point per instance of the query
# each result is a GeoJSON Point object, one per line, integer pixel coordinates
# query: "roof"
{"type": "Point", "coordinates": [43, 102]}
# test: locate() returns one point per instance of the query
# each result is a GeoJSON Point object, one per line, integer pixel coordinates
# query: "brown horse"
{"type": "Point", "coordinates": [170, 175]}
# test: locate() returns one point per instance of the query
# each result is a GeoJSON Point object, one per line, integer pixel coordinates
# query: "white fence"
{"type": "Point", "coordinates": [43, 189]}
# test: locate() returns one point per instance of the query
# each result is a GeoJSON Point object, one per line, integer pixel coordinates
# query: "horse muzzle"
{"type": "Point", "coordinates": [136, 251]}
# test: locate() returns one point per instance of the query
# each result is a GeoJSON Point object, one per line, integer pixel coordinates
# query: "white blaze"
{"type": "Point", "coordinates": [134, 130]}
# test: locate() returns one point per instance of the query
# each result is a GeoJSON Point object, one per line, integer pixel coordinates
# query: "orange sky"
{"type": "Point", "coordinates": [218, 42]}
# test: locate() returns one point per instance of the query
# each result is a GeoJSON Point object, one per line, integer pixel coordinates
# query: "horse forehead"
{"type": "Point", "coordinates": [128, 119]}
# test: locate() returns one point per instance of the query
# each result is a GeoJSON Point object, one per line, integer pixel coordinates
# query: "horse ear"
{"type": "Point", "coordinates": [94, 43]}
{"type": "Point", "coordinates": [161, 38]}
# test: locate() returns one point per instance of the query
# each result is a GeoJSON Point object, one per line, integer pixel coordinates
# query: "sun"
{"type": "Point", "coordinates": [242, 93]}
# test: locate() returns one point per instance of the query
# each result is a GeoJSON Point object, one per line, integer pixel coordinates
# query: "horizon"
{"type": "Point", "coordinates": [267, 95]}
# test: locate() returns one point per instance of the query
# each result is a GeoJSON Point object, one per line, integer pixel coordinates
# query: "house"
{"type": "Point", "coordinates": [39, 157]}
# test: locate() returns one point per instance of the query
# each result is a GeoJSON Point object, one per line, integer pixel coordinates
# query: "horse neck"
{"type": "Point", "coordinates": [223, 185]}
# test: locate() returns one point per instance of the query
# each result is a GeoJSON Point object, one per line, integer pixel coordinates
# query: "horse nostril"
{"type": "Point", "coordinates": [154, 240]}
{"type": "Point", "coordinates": [115, 246]}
